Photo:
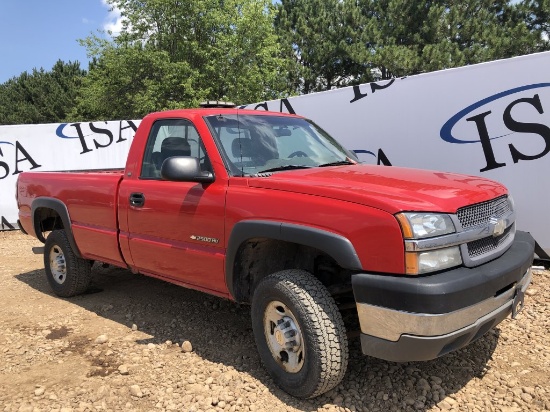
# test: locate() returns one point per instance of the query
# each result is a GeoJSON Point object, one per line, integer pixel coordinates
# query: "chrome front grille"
{"type": "Point", "coordinates": [481, 218]}
{"type": "Point", "coordinates": [479, 214]}
{"type": "Point", "coordinates": [486, 245]}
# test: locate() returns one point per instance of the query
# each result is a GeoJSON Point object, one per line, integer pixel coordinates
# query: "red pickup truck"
{"type": "Point", "coordinates": [268, 209]}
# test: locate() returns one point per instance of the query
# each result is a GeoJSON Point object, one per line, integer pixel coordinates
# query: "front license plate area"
{"type": "Point", "coordinates": [519, 302]}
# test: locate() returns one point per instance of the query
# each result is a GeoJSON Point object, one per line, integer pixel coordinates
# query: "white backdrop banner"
{"type": "Point", "coordinates": [58, 147]}
{"type": "Point", "coordinates": [490, 120]}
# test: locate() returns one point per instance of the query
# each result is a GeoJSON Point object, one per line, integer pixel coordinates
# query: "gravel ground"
{"type": "Point", "coordinates": [136, 343]}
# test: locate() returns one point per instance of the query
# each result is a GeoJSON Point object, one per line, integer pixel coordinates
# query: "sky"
{"type": "Point", "coordinates": [37, 33]}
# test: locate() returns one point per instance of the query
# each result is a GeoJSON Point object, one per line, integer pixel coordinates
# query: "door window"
{"type": "Point", "coordinates": [168, 138]}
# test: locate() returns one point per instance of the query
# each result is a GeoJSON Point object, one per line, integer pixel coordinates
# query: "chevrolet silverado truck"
{"type": "Point", "coordinates": [269, 210]}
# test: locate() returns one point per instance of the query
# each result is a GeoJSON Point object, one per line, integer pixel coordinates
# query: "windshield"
{"type": "Point", "coordinates": [252, 144]}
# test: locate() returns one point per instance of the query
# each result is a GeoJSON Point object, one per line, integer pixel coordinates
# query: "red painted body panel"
{"type": "Point", "coordinates": [91, 200]}
{"type": "Point", "coordinates": [357, 202]}
{"type": "Point", "coordinates": [392, 189]}
{"type": "Point", "coordinates": [160, 232]}
{"type": "Point", "coordinates": [374, 233]}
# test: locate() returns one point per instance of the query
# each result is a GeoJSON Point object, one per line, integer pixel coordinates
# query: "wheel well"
{"type": "Point", "coordinates": [46, 220]}
{"type": "Point", "coordinates": [259, 257]}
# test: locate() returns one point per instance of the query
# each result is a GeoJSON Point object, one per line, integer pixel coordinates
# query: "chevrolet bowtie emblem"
{"type": "Point", "coordinates": [497, 225]}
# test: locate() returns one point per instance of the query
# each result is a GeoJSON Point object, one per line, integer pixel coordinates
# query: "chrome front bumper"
{"type": "Point", "coordinates": [390, 324]}
{"type": "Point", "coordinates": [408, 318]}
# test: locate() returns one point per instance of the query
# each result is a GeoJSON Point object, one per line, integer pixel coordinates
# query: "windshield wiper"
{"type": "Point", "coordinates": [338, 163]}
{"type": "Point", "coordinates": [287, 167]}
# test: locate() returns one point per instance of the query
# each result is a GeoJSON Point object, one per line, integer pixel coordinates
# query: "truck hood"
{"type": "Point", "coordinates": [392, 189]}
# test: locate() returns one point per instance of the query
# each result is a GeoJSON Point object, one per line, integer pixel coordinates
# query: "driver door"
{"type": "Point", "coordinates": [176, 229]}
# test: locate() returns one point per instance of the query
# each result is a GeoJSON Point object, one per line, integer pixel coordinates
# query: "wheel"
{"type": "Point", "coordinates": [297, 153]}
{"type": "Point", "coordinates": [299, 333]}
{"type": "Point", "coordinates": [67, 274]}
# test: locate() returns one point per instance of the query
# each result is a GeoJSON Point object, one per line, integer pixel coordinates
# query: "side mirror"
{"type": "Point", "coordinates": [184, 169]}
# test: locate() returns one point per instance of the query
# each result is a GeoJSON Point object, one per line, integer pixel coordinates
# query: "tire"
{"type": "Point", "coordinates": [299, 333]}
{"type": "Point", "coordinates": [67, 274]}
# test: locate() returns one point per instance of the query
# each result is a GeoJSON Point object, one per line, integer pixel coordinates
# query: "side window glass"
{"type": "Point", "coordinates": [168, 138]}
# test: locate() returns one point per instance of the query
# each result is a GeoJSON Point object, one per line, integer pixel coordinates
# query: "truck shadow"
{"type": "Point", "coordinates": [221, 332]}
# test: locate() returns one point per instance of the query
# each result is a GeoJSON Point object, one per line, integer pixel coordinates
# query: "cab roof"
{"type": "Point", "coordinates": [203, 111]}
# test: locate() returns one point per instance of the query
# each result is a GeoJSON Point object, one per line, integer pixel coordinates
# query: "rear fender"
{"type": "Point", "coordinates": [59, 207]}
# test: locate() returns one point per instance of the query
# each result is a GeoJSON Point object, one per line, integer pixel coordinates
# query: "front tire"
{"type": "Point", "coordinates": [299, 333]}
{"type": "Point", "coordinates": [67, 274]}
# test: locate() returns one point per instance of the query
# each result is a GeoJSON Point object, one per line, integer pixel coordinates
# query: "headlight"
{"type": "Point", "coordinates": [418, 263]}
{"type": "Point", "coordinates": [424, 225]}
{"type": "Point", "coordinates": [420, 225]}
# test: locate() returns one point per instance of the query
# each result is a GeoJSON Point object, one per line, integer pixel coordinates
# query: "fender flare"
{"type": "Point", "coordinates": [334, 245]}
{"type": "Point", "coordinates": [59, 207]}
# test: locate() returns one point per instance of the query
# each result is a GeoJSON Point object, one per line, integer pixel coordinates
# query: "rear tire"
{"type": "Point", "coordinates": [299, 333]}
{"type": "Point", "coordinates": [67, 274]}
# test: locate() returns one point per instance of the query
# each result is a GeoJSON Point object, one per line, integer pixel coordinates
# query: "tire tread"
{"type": "Point", "coordinates": [329, 332]}
{"type": "Point", "coordinates": [79, 273]}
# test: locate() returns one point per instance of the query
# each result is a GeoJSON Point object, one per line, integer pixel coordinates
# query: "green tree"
{"type": "Point", "coordinates": [178, 52]}
{"type": "Point", "coordinates": [536, 13]}
{"type": "Point", "coordinates": [404, 37]}
{"type": "Point", "coordinates": [41, 96]}
{"type": "Point", "coordinates": [336, 43]}
{"type": "Point", "coordinates": [484, 30]}
{"type": "Point", "coordinates": [131, 81]}
{"type": "Point", "coordinates": [317, 34]}
{"type": "Point", "coordinates": [397, 32]}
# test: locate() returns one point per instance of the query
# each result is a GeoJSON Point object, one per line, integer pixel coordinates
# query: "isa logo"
{"type": "Point", "coordinates": [518, 113]}
{"type": "Point", "coordinates": [102, 137]}
{"type": "Point", "coordinates": [14, 157]}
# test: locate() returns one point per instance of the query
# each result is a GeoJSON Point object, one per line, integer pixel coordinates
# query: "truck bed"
{"type": "Point", "coordinates": [91, 199]}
